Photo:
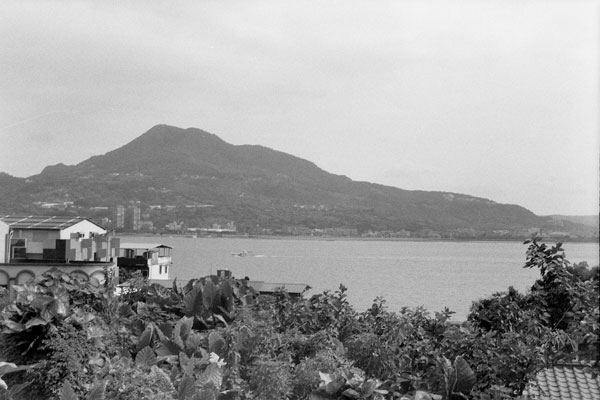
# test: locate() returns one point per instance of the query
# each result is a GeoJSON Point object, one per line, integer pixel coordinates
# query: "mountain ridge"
{"type": "Point", "coordinates": [251, 185]}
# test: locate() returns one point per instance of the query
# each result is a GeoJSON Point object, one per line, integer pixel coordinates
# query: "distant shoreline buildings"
{"type": "Point", "coordinates": [200, 219]}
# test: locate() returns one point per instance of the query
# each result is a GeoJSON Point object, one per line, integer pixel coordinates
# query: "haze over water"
{"type": "Point", "coordinates": [435, 274]}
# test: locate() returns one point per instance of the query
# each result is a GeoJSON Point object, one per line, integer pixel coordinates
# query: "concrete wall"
{"type": "Point", "coordinates": [17, 274]}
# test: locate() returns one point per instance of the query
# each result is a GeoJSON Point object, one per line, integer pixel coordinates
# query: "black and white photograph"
{"type": "Point", "coordinates": [299, 200]}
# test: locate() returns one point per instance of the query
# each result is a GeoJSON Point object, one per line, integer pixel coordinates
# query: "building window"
{"type": "Point", "coordinates": [19, 253]}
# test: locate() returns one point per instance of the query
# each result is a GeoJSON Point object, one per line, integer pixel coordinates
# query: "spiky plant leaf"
{"type": "Point", "coordinates": [187, 364]}
{"type": "Point", "coordinates": [190, 285]}
{"type": "Point", "coordinates": [192, 302]}
{"type": "Point", "coordinates": [168, 348]}
{"type": "Point", "coordinates": [368, 388]}
{"type": "Point", "coordinates": [146, 338]}
{"type": "Point", "coordinates": [6, 367]}
{"type": "Point", "coordinates": [209, 296]}
{"type": "Point", "coordinates": [465, 377]}
{"type": "Point", "coordinates": [182, 330]}
{"type": "Point", "coordinates": [226, 289]}
{"type": "Point", "coordinates": [216, 344]}
{"type": "Point", "coordinates": [449, 375]}
{"type": "Point", "coordinates": [174, 287]}
{"type": "Point", "coordinates": [166, 328]}
{"type": "Point", "coordinates": [212, 374]}
{"type": "Point", "coordinates": [220, 318]}
{"type": "Point", "coordinates": [187, 388]}
{"type": "Point", "coordinates": [12, 327]}
{"type": "Point", "coordinates": [145, 357]}
{"type": "Point", "coordinates": [35, 321]}
{"type": "Point", "coordinates": [193, 342]}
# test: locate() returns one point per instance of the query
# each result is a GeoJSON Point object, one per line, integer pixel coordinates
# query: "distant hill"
{"type": "Point", "coordinates": [208, 180]}
{"type": "Point", "coordinates": [587, 220]}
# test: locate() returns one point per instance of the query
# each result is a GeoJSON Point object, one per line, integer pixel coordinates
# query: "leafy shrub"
{"type": "Point", "coordinates": [327, 310]}
{"type": "Point", "coordinates": [306, 373]}
{"type": "Point", "coordinates": [126, 379]}
{"type": "Point", "coordinates": [212, 339]}
{"type": "Point", "coordinates": [66, 353]}
{"type": "Point", "coordinates": [270, 379]}
{"type": "Point", "coordinates": [403, 347]}
{"type": "Point", "coordinates": [348, 383]}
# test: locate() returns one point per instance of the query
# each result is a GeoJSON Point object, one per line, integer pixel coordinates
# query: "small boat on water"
{"type": "Point", "coordinates": [245, 253]}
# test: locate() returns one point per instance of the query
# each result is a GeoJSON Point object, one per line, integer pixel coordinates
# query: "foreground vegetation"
{"type": "Point", "coordinates": [216, 339]}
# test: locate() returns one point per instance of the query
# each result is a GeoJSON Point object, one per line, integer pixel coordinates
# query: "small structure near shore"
{"type": "Point", "coordinates": [151, 260]}
{"type": "Point", "coordinates": [262, 287]}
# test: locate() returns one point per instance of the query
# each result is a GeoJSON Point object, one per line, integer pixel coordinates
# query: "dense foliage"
{"type": "Point", "coordinates": [216, 339]}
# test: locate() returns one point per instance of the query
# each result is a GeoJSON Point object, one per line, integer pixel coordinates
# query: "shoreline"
{"type": "Point", "coordinates": [355, 238]}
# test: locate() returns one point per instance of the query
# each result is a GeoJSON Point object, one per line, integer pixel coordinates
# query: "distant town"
{"type": "Point", "coordinates": [137, 218]}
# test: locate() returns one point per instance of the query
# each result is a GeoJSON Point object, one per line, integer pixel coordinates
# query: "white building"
{"type": "Point", "coordinates": [152, 260]}
{"type": "Point", "coordinates": [31, 245]}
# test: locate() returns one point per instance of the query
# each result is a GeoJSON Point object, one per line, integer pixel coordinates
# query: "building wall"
{"type": "Point", "coordinates": [136, 218]}
{"type": "Point", "coordinates": [35, 240]}
{"type": "Point", "coordinates": [120, 219]}
{"type": "Point", "coordinates": [46, 248]}
{"type": "Point", "coordinates": [18, 274]}
{"type": "Point", "coordinates": [158, 271]}
{"type": "Point", "coordinates": [46, 245]}
{"type": "Point", "coordinates": [83, 227]}
{"type": "Point", "coordinates": [4, 242]}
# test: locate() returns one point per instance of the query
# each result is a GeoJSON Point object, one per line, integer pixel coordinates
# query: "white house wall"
{"type": "Point", "coordinates": [83, 227]}
{"type": "Point", "coordinates": [158, 271]}
{"type": "Point", "coordinates": [4, 240]}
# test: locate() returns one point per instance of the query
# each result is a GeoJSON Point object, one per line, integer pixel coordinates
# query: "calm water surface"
{"type": "Point", "coordinates": [406, 273]}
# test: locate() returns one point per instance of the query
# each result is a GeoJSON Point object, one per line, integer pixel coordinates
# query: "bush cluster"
{"type": "Point", "coordinates": [216, 339]}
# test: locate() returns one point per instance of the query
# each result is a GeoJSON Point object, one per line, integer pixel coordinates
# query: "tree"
{"type": "Point", "coordinates": [558, 317]}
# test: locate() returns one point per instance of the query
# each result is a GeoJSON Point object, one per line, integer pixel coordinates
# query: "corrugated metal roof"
{"type": "Point", "coordinates": [144, 246]}
{"type": "Point", "coordinates": [565, 382]}
{"type": "Point", "coordinates": [42, 222]}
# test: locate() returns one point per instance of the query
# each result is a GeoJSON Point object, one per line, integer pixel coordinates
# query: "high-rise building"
{"type": "Point", "coordinates": [136, 214]}
{"type": "Point", "coordinates": [120, 219]}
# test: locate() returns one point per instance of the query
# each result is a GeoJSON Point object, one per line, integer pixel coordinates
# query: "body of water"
{"type": "Point", "coordinates": [434, 274]}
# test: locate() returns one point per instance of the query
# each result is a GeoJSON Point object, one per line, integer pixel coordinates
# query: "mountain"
{"type": "Point", "coordinates": [209, 181]}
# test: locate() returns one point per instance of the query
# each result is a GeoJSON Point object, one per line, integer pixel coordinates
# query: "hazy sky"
{"type": "Point", "coordinates": [497, 99]}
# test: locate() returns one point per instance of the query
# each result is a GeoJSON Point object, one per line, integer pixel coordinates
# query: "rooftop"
{"type": "Point", "coordinates": [41, 222]}
{"type": "Point", "coordinates": [565, 382]}
{"type": "Point", "coordinates": [268, 287]}
{"type": "Point", "coordinates": [143, 246]}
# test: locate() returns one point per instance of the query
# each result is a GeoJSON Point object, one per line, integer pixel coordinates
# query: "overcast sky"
{"type": "Point", "coordinates": [497, 99]}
